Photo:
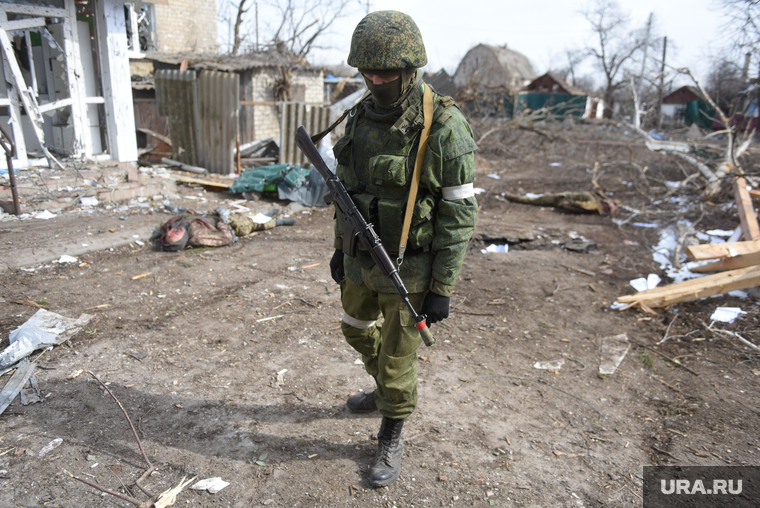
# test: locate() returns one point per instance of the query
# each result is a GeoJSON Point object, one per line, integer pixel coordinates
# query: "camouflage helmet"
{"type": "Point", "coordinates": [385, 41]}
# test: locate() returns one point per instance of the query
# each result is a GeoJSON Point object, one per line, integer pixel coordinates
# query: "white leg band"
{"type": "Point", "coordinates": [357, 323]}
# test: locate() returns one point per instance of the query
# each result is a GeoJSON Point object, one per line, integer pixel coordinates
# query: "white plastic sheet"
{"type": "Point", "coordinates": [42, 330]}
{"type": "Point", "coordinates": [726, 314]}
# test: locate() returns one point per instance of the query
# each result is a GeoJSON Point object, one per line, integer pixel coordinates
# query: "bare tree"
{"type": "Point", "coordinates": [724, 82]}
{"type": "Point", "coordinates": [615, 48]}
{"type": "Point", "coordinates": [743, 28]}
{"type": "Point", "coordinates": [294, 27]}
{"type": "Point", "coordinates": [238, 38]}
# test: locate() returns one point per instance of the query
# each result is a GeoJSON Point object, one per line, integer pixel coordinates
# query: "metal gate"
{"type": "Point", "coordinates": [292, 115]}
{"type": "Point", "coordinates": [203, 113]}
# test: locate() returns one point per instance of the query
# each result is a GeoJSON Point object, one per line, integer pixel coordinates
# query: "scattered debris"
{"type": "Point", "coordinates": [614, 350]}
{"type": "Point", "coordinates": [212, 485]}
{"type": "Point", "coordinates": [726, 314]}
{"type": "Point", "coordinates": [553, 365]}
{"type": "Point", "coordinates": [642, 284]}
{"type": "Point", "coordinates": [168, 497]}
{"type": "Point", "coordinates": [495, 248]}
{"type": "Point", "coordinates": [55, 443]}
{"type": "Point", "coordinates": [43, 329]}
{"type": "Point", "coordinates": [578, 202]}
{"type": "Point", "coordinates": [15, 384]}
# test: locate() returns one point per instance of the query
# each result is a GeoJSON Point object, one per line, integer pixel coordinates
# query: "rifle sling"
{"type": "Point", "coordinates": [427, 109]}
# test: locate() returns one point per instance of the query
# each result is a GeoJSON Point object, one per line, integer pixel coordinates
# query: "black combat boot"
{"type": "Point", "coordinates": [387, 465]}
{"type": "Point", "coordinates": [362, 402]}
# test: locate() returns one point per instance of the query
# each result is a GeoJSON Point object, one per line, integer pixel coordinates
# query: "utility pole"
{"type": "Point", "coordinates": [662, 83]}
{"type": "Point", "coordinates": [644, 61]}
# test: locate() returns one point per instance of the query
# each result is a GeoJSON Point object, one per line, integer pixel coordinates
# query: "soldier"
{"type": "Point", "coordinates": [376, 159]}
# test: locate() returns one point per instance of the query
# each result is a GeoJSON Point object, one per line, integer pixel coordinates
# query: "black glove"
{"type": "Point", "coordinates": [435, 307]}
{"type": "Point", "coordinates": [337, 272]}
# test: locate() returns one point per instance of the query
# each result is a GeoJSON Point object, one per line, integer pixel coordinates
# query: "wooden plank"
{"type": "Point", "coordinates": [747, 215]}
{"type": "Point", "coordinates": [755, 193]}
{"type": "Point", "coordinates": [22, 24]}
{"type": "Point", "coordinates": [202, 181]}
{"type": "Point", "coordinates": [696, 289]}
{"type": "Point", "coordinates": [687, 285]}
{"type": "Point", "coordinates": [729, 263]}
{"type": "Point", "coordinates": [721, 250]}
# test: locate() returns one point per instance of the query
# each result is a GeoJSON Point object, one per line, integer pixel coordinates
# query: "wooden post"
{"type": "Point", "coordinates": [747, 215]}
{"type": "Point", "coordinates": [115, 75]}
{"type": "Point", "coordinates": [75, 78]}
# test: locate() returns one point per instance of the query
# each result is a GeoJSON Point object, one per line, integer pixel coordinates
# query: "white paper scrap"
{"type": "Point", "coordinates": [213, 485]}
{"type": "Point", "coordinates": [719, 232]}
{"type": "Point", "coordinates": [552, 365]}
{"type": "Point", "coordinates": [642, 284]}
{"type": "Point", "coordinates": [494, 176]}
{"type": "Point", "coordinates": [726, 314]}
{"type": "Point", "coordinates": [44, 214]}
{"type": "Point", "coordinates": [495, 248]}
{"type": "Point", "coordinates": [67, 259]}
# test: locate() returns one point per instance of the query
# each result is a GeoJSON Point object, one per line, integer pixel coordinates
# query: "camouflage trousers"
{"type": "Point", "coordinates": [389, 350]}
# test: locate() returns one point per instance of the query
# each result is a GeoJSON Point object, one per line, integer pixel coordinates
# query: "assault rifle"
{"type": "Point", "coordinates": [357, 227]}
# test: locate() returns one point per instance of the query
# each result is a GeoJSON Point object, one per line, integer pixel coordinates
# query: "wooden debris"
{"type": "Point", "coordinates": [695, 289]}
{"type": "Point", "coordinates": [730, 263]}
{"type": "Point", "coordinates": [722, 250]}
{"type": "Point", "coordinates": [747, 215]}
{"type": "Point", "coordinates": [208, 180]}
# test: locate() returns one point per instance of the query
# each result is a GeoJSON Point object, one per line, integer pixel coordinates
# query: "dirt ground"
{"type": "Point", "coordinates": [230, 362]}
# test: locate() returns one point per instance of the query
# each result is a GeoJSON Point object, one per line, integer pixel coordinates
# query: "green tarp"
{"type": "Point", "coordinates": [267, 178]}
{"type": "Point", "coordinates": [558, 104]}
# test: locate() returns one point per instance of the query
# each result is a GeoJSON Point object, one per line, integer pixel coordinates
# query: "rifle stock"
{"type": "Point", "coordinates": [358, 228]}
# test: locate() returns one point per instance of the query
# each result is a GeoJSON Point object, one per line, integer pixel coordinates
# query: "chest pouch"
{"type": "Point", "coordinates": [388, 170]}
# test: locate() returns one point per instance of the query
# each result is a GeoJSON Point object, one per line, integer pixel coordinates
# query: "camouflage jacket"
{"type": "Point", "coordinates": [376, 159]}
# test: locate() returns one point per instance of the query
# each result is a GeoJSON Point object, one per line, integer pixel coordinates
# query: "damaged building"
{"type": "Point", "coordinates": [66, 66]}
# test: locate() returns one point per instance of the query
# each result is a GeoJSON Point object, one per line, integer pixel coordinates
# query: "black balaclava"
{"type": "Point", "coordinates": [387, 94]}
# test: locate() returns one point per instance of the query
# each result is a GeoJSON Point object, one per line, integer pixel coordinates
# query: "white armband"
{"type": "Point", "coordinates": [458, 192]}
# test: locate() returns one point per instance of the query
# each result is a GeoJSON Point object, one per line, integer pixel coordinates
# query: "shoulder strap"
{"type": "Point", "coordinates": [316, 138]}
{"type": "Point", "coordinates": [427, 109]}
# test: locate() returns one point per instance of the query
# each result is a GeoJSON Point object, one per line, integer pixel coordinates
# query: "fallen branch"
{"type": "Point", "coordinates": [162, 500]}
{"type": "Point", "coordinates": [730, 334]}
{"type": "Point", "coordinates": [672, 360]}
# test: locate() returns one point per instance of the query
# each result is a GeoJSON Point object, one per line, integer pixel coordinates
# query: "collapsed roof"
{"type": "Point", "coordinates": [494, 67]}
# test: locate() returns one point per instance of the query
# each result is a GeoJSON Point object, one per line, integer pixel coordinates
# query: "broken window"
{"type": "Point", "coordinates": [140, 18]}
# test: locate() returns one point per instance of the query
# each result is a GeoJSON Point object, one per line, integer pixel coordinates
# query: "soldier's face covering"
{"type": "Point", "coordinates": [386, 93]}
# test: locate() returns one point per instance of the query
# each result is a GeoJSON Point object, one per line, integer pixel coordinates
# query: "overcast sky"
{"type": "Point", "coordinates": [540, 29]}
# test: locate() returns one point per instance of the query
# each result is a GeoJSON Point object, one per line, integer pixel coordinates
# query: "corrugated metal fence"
{"type": "Point", "coordinates": [203, 116]}
{"type": "Point", "coordinates": [293, 114]}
